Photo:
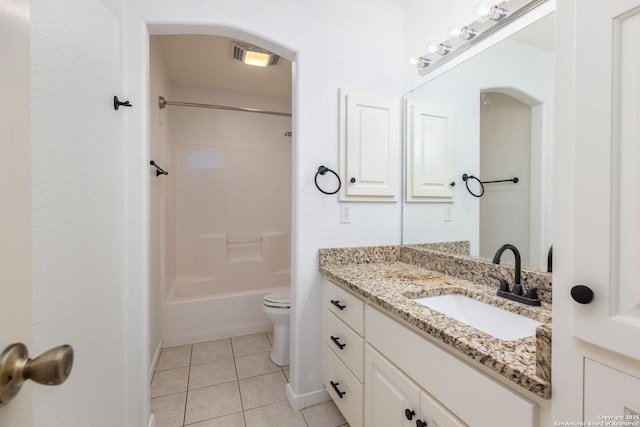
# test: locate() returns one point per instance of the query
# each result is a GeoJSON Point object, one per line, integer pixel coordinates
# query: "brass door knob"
{"type": "Point", "coordinates": [50, 368]}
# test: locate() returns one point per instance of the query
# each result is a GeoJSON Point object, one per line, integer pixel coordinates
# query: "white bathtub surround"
{"type": "Point", "coordinates": [228, 216]}
{"type": "Point", "coordinates": [213, 316]}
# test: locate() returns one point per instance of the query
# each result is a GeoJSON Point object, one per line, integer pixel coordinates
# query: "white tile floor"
{"type": "Point", "coordinates": [229, 383]}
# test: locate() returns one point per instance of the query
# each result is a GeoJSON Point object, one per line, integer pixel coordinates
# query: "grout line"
{"type": "Point", "coordinates": [235, 366]}
{"type": "Point", "coordinates": [243, 410]}
{"type": "Point", "coordinates": [186, 398]}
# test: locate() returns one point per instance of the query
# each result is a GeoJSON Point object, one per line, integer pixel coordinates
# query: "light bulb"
{"type": "Point", "coordinates": [467, 33]}
{"type": "Point", "coordinates": [443, 49]}
{"type": "Point", "coordinates": [496, 13]}
{"type": "Point", "coordinates": [423, 62]}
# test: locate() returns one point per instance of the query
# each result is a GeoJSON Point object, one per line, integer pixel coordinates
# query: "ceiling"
{"type": "Point", "coordinates": [206, 61]}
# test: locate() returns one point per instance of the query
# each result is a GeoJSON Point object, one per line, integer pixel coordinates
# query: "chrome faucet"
{"type": "Point", "coordinates": [517, 287]}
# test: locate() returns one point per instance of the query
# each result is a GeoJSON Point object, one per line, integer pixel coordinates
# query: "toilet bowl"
{"type": "Point", "coordinates": [277, 307]}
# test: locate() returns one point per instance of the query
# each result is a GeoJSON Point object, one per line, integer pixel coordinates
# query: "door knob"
{"type": "Point", "coordinates": [50, 368]}
{"type": "Point", "coordinates": [582, 294]}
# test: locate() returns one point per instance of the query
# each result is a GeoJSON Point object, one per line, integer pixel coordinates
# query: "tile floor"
{"type": "Point", "coordinates": [229, 383]}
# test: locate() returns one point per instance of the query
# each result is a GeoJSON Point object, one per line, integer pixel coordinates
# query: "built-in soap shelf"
{"type": "Point", "coordinates": [271, 247]}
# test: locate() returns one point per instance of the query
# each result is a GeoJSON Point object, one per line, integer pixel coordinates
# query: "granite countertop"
{"type": "Point", "coordinates": [387, 281]}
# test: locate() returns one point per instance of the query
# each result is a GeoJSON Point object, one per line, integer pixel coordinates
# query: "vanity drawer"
{"type": "Point", "coordinates": [346, 306]}
{"type": "Point", "coordinates": [345, 343]}
{"type": "Point", "coordinates": [338, 379]}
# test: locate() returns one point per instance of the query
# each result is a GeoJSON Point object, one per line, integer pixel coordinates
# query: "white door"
{"type": "Point", "coordinates": [607, 177]}
{"type": "Point", "coordinates": [63, 219]}
{"type": "Point", "coordinates": [15, 213]}
{"type": "Point", "coordinates": [597, 201]}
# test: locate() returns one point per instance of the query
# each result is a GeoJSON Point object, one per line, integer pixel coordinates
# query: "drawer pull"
{"type": "Point", "coordinates": [337, 304]}
{"type": "Point", "coordinates": [338, 343]}
{"type": "Point", "coordinates": [337, 390]}
{"type": "Point", "coordinates": [420, 423]}
{"type": "Point", "coordinates": [409, 414]}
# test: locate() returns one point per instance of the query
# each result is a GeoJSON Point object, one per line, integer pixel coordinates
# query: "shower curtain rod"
{"type": "Point", "coordinates": [163, 103]}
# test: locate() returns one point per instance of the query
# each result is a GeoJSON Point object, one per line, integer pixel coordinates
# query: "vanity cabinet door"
{"type": "Point", "coordinates": [388, 394]}
{"type": "Point", "coordinates": [429, 166]}
{"type": "Point", "coordinates": [369, 147]}
{"type": "Point", "coordinates": [610, 393]}
{"type": "Point", "coordinates": [606, 237]}
{"type": "Point", "coordinates": [434, 415]}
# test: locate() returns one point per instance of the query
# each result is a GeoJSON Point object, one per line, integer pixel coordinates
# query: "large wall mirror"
{"type": "Point", "coordinates": [499, 125]}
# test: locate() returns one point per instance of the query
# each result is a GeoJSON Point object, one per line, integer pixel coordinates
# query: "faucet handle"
{"type": "Point", "coordinates": [532, 293]}
{"type": "Point", "coordinates": [504, 285]}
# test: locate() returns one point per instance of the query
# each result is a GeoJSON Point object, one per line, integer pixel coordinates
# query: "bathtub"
{"type": "Point", "coordinates": [194, 313]}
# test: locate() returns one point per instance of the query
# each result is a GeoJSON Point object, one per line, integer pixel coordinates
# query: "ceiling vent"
{"type": "Point", "coordinates": [253, 55]}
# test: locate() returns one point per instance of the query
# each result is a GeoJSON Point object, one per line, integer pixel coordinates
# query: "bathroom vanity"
{"type": "Point", "coordinates": [391, 361]}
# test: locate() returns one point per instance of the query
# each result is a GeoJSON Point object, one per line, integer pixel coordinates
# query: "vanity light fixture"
{"type": "Point", "coordinates": [443, 49]}
{"type": "Point", "coordinates": [490, 19]}
{"type": "Point", "coordinates": [440, 49]}
{"type": "Point", "coordinates": [467, 33]}
{"type": "Point", "coordinates": [496, 13]}
{"type": "Point", "coordinates": [253, 55]}
{"type": "Point", "coordinates": [421, 62]}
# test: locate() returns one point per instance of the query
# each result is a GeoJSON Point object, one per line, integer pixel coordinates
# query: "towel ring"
{"type": "Point", "coordinates": [466, 178]}
{"type": "Point", "coordinates": [323, 170]}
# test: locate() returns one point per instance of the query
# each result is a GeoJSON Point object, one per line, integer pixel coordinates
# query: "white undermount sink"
{"type": "Point", "coordinates": [487, 318]}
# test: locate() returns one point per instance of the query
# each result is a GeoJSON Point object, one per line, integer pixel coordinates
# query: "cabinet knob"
{"type": "Point", "coordinates": [352, 180]}
{"type": "Point", "coordinates": [582, 294]}
{"type": "Point", "coordinates": [409, 414]}
{"type": "Point", "coordinates": [452, 183]}
{"type": "Point", "coordinates": [420, 423]}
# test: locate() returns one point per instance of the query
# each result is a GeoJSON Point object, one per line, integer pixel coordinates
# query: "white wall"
{"type": "Point", "coordinates": [505, 152]}
{"type": "Point", "coordinates": [158, 86]}
{"type": "Point", "coordinates": [334, 44]}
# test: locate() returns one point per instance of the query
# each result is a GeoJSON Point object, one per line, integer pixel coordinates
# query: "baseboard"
{"type": "Point", "coordinates": [215, 334]}
{"type": "Point", "coordinates": [154, 361]}
{"type": "Point", "coordinates": [300, 401]}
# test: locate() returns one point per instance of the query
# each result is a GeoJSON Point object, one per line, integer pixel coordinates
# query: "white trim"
{"type": "Point", "coordinates": [299, 402]}
{"type": "Point", "coordinates": [154, 361]}
{"type": "Point", "coordinates": [152, 420]}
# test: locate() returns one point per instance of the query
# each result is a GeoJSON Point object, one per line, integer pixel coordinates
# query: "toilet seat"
{"type": "Point", "coordinates": [280, 299]}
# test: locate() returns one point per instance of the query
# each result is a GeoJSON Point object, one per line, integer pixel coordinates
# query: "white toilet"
{"type": "Point", "coordinates": [277, 307]}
